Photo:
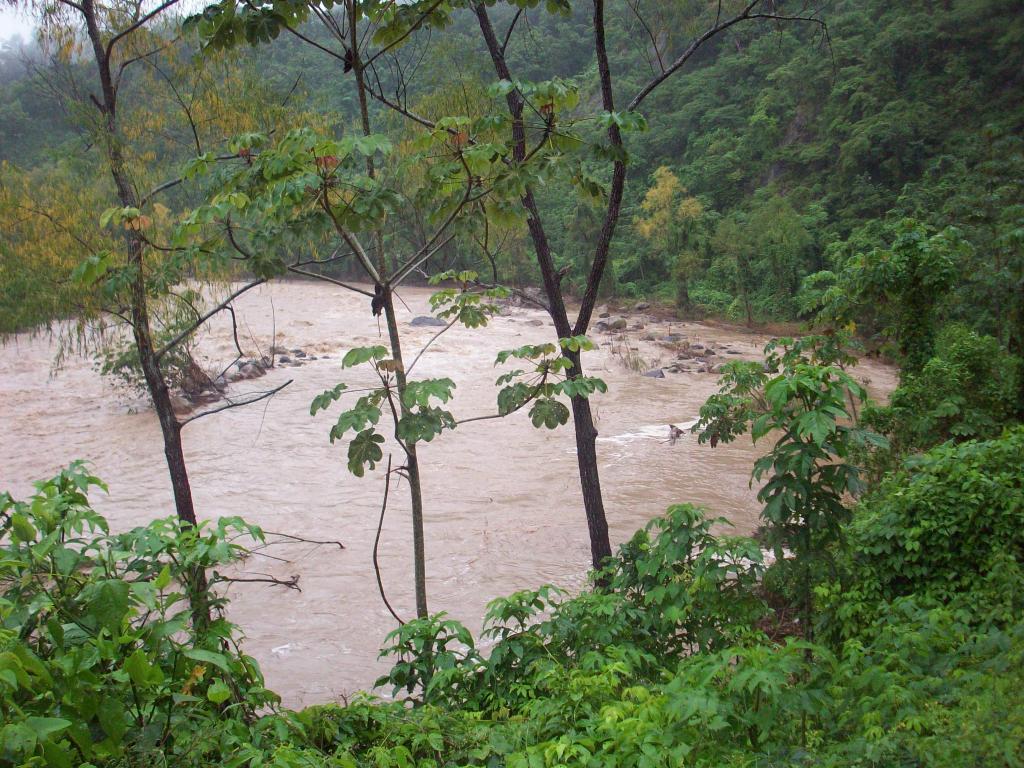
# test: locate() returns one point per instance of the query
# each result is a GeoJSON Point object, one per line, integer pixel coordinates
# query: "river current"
{"type": "Point", "coordinates": [502, 499]}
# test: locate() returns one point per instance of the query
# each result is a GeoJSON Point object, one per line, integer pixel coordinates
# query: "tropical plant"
{"type": "Point", "coordinates": [100, 662]}
{"type": "Point", "coordinates": [805, 407]}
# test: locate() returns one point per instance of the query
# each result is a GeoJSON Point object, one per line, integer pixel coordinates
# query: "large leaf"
{"type": "Point", "coordinates": [110, 604]}
{"type": "Point", "coordinates": [360, 355]}
{"type": "Point", "coordinates": [548, 412]}
{"type": "Point", "coordinates": [364, 451]}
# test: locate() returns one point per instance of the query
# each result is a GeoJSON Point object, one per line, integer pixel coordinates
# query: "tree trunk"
{"type": "Point", "coordinates": [583, 419]}
{"type": "Point", "coordinates": [156, 383]}
{"type": "Point", "coordinates": [412, 466]}
{"type": "Point", "coordinates": [590, 480]}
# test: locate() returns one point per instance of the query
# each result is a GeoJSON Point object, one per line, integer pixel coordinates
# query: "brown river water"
{"type": "Point", "coordinates": [503, 506]}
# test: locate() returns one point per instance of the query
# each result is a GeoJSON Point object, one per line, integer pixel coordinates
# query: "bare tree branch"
{"type": "Point", "coordinates": [426, 346]}
{"type": "Point", "coordinates": [401, 39]}
{"type": "Point", "coordinates": [328, 279]}
{"type": "Point", "coordinates": [510, 30]}
{"type": "Point", "coordinates": [635, 8]}
{"type": "Point", "coordinates": [680, 60]}
{"type": "Point", "coordinates": [410, 266]}
{"type": "Point", "coordinates": [303, 539]}
{"type": "Point", "coordinates": [178, 338]}
{"type": "Point", "coordinates": [292, 582]}
{"type": "Point", "coordinates": [140, 22]}
{"type": "Point", "coordinates": [235, 404]}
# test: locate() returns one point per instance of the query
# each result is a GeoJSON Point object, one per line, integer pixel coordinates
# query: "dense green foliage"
{"type": "Point", "coordinates": [945, 530]}
{"type": "Point", "coordinates": [801, 153]}
{"type": "Point", "coordinates": [869, 181]}
{"type": "Point", "coordinates": [677, 660]}
{"type": "Point", "coordinates": [100, 660]}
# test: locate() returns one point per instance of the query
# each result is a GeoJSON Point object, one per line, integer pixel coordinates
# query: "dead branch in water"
{"type": "Point", "coordinates": [290, 583]}
{"type": "Point", "coordinates": [301, 539]}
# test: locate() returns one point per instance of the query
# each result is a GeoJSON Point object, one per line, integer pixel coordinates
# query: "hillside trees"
{"type": "Point", "coordinates": [671, 222]}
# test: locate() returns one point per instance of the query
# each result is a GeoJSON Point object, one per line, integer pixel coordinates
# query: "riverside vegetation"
{"type": "Point", "coordinates": [685, 651]}
{"type": "Point", "coordinates": [868, 181]}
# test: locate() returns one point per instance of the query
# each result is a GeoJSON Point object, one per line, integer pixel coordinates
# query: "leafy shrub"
{"type": "Point", "coordinates": [948, 529]}
{"type": "Point", "coordinates": [967, 390]}
{"type": "Point", "coordinates": [100, 659]}
{"type": "Point", "coordinates": [710, 300]}
{"type": "Point", "coordinates": [674, 588]}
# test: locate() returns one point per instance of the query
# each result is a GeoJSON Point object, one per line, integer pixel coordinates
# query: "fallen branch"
{"type": "Point", "coordinates": [290, 583]}
{"type": "Point", "coordinates": [302, 539]}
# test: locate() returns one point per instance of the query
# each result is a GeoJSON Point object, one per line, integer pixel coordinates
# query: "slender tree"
{"type": "Point", "coordinates": [131, 273]}
{"type": "Point", "coordinates": [721, 19]}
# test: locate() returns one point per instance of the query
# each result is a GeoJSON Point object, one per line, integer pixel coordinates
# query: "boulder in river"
{"type": "Point", "coordinates": [427, 321]}
{"type": "Point", "coordinates": [251, 371]}
{"type": "Point", "coordinates": [656, 373]}
{"type": "Point", "coordinates": [284, 359]}
{"type": "Point", "coordinates": [602, 311]}
{"type": "Point", "coordinates": [640, 306]}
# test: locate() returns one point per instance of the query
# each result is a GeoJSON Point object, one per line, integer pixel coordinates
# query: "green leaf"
{"type": "Point", "coordinates": [17, 739]}
{"type": "Point", "coordinates": [360, 355]}
{"type": "Point", "coordinates": [112, 717]}
{"type": "Point", "coordinates": [218, 692]}
{"type": "Point", "coordinates": [420, 392]}
{"type": "Point", "coordinates": [356, 419]}
{"type": "Point", "coordinates": [364, 450]}
{"type": "Point", "coordinates": [92, 268]}
{"type": "Point", "coordinates": [23, 529]}
{"type": "Point", "coordinates": [110, 605]}
{"type": "Point", "coordinates": [218, 660]}
{"type": "Point", "coordinates": [549, 413]}
{"type": "Point", "coordinates": [576, 343]}
{"type": "Point", "coordinates": [138, 668]}
{"type": "Point", "coordinates": [323, 401]}
{"type": "Point", "coordinates": [424, 425]}
{"type": "Point", "coordinates": [44, 727]}
{"type": "Point", "coordinates": [163, 579]}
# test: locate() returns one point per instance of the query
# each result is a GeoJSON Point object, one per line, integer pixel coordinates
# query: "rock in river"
{"type": "Point", "coordinates": [427, 321]}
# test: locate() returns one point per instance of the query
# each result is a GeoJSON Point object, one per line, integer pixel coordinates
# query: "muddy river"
{"type": "Point", "coordinates": [503, 507]}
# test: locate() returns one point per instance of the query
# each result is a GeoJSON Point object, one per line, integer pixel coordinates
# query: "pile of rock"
{"type": "Point", "coordinates": [244, 370]}
{"type": "Point", "coordinates": [291, 357]}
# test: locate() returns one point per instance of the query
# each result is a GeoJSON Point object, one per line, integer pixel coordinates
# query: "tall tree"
{"type": "Point", "coordinates": [719, 18]}
{"type": "Point", "coordinates": [130, 46]}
